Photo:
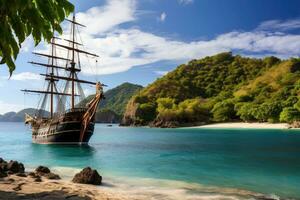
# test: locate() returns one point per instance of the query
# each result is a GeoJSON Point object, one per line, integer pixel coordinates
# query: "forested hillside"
{"type": "Point", "coordinates": [220, 88]}
{"type": "Point", "coordinates": [111, 108]}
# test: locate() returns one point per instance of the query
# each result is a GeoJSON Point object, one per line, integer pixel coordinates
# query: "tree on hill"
{"type": "Point", "coordinates": [21, 18]}
{"type": "Point", "coordinates": [228, 88]}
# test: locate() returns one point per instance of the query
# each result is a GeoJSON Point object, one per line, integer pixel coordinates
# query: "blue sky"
{"type": "Point", "coordinates": [139, 41]}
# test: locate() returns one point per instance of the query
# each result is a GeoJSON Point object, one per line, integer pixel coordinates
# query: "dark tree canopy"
{"type": "Point", "coordinates": [22, 18]}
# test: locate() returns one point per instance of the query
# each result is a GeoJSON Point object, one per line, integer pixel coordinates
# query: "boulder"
{"type": "Point", "coordinates": [3, 174]}
{"type": "Point", "coordinates": [15, 167]}
{"type": "Point", "coordinates": [42, 170]}
{"type": "Point", "coordinates": [3, 166]}
{"type": "Point", "coordinates": [88, 176]}
{"type": "Point", "coordinates": [52, 176]}
{"type": "Point", "coordinates": [45, 172]}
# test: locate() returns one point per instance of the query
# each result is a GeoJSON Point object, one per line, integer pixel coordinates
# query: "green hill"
{"type": "Point", "coordinates": [220, 88]}
{"type": "Point", "coordinates": [110, 109]}
{"type": "Point", "coordinates": [114, 104]}
{"type": "Point", "coordinates": [17, 116]}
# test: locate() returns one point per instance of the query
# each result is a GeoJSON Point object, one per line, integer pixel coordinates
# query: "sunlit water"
{"type": "Point", "coordinates": [169, 163]}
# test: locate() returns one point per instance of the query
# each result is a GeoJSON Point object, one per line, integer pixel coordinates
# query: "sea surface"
{"type": "Point", "coordinates": [173, 163]}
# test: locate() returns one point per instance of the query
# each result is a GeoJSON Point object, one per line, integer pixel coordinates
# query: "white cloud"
{"type": "Point", "coordinates": [101, 19]}
{"type": "Point", "coordinates": [280, 25]}
{"type": "Point", "coordinates": [162, 17]}
{"type": "Point", "coordinates": [125, 48]}
{"type": "Point", "coordinates": [25, 76]}
{"type": "Point", "coordinates": [120, 48]}
{"type": "Point", "coordinates": [186, 2]}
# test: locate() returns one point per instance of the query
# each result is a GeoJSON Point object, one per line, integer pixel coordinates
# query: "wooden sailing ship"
{"type": "Point", "coordinates": [65, 123]}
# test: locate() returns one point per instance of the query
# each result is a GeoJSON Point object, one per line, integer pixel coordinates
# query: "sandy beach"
{"type": "Point", "coordinates": [14, 187]}
{"type": "Point", "coordinates": [245, 125]}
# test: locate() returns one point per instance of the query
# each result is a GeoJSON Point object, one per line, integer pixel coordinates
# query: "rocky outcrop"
{"type": "Point", "coordinates": [45, 172]}
{"type": "Point", "coordinates": [11, 167]}
{"type": "Point", "coordinates": [164, 124]}
{"type": "Point", "coordinates": [107, 116]}
{"type": "Point", "coordinates": [130, 117]}
{"type": "Point", "coordinates": [52, 176]}
{"type": "Point", "coordinates": [2, 173]}
{"type": "Point", "coordinates": [88, 176]}
{"type": "Point", "coordinates": [42, 170]}
{"type": "Point", "coordinates": [15, 167]}
{"type": "Point", "coordinates": [129, 114]}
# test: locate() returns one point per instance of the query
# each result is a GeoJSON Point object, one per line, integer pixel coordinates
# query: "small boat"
{"type": "Point", "coordinates": [64, 123]}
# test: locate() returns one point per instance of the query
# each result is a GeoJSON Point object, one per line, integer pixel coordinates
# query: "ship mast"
{"type": "Point", "coordinates": [73, 62]}
{"type": "Point", "coordinates": [74, 49]}
{"type": "Point", "coordinates": [73, 69]}
{"type": "Point", "coordinates": [52, 81]}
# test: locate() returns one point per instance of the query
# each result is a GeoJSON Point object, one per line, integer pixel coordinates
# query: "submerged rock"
{"type": "Point", "coordinates": [88, 176]}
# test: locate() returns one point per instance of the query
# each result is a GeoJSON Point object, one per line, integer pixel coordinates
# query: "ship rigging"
{"type": "Point", "coordinates": [63, 123]}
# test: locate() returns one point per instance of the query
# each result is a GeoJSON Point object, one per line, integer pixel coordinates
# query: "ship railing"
{"type": "Point", "coordinates": [58, 115]}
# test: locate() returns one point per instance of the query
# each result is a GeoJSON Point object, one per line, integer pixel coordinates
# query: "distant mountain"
{"type": "Point", "coordinates": [115, 101]}
{"type": "Point", "coordinates": [17, 116]}
{"type": "Point", "coordinates": [110, 109]}
{"type": "Point", "coordinates": [220, 88]}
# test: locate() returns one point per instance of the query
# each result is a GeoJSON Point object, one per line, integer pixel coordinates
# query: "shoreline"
{"type": "Point", "coordinates": [243, 125]}
{"type": "Point", "coordinates": [14, 187]}
{"type": "Point", "coordinates": [23, 185]}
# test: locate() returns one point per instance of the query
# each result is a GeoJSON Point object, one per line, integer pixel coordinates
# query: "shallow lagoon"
{"type": "Point", "coordinates": [263, 161]}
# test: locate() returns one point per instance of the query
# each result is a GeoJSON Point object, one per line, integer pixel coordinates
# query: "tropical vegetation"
{"type": "Point", "coordinates": [20, 19]}
{"type": "Point", "coordinates": [220, 88]}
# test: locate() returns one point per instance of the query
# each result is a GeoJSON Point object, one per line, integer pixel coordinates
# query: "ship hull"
{"type": "Point", "coordinates": [62, 131]}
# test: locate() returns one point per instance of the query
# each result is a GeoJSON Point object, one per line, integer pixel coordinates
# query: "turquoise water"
{"type": "Point", "coordinates": [263, 161]}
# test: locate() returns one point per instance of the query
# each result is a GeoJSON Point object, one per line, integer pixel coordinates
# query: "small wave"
{"type": "Point", "coordinates": [66, 173]}
{"type": "Point", "coordinates": [162, 189]}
